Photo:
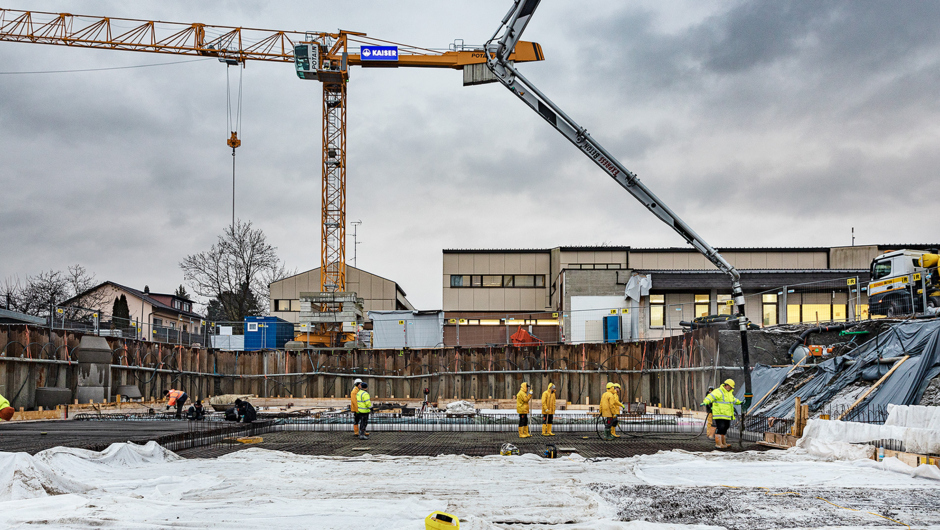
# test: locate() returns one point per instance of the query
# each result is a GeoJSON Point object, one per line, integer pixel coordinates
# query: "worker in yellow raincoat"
{"type": "Point", "coordinates": [522, 407]}
{"type": "Point", "coordinates": [610, 408]}
{"type": "Point", "coordinates": [548, 410]}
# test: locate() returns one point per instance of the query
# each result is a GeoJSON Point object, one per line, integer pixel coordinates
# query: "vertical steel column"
{"type": "Point", "coordinates": [333, 199]}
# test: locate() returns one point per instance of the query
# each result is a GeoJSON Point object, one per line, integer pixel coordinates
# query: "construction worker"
{"type": "Point", "coordinates": [710, 425]}
{"type": "Point", "coordinates": [548, 410]}
{"type": "Point", "coordinates": [610, 408]}
{"type": "Point", "coordinates": [522, 407]}
{"type": "Point", "coordinates": [6, 411]}
{"type": "Point", "coordinates": [175, 397]}
{"type": "Point", "coordinates": [722, 401]}
{"type": "Point", "coordinates": [364, 406]}
{"type": "Point", "coordinates": [354, 405]}
{"type": "Point", "coordinates": [196, 412]}
{"type": "Point", "coordinates": [246, 413]}
{"type": "Point", "coordinates": [618, 408]}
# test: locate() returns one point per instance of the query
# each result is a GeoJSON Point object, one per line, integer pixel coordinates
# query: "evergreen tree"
{"type": "Point", "coordinates": [181, 293]}
{"type": "Point", "coordinates": [120, 313]}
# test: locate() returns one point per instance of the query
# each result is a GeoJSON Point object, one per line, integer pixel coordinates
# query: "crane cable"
{"type": "Point", "coordinates": [234, 124]}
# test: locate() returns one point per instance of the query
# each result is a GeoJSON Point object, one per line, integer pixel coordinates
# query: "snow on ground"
{"type": "Point", "coordinates": [130, 486]}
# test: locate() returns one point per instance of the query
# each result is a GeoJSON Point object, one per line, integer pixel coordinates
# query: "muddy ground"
{"type": "Point", "coordinates": [767, 508]}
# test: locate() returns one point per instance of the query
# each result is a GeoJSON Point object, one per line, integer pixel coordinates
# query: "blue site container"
{"type": "Point", "coordinates": [611, 328]}
{"type": "Point", "coordinates": [267, 333]}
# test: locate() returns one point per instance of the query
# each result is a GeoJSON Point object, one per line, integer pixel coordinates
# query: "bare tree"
{"type": "Point", "coordinates": [236, 271]}
{"type": "Point", "coordinates": [38, 295]}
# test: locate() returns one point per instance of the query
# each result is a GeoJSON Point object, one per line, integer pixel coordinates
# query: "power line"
{"type": "Point", "coordinates": [103, 69]}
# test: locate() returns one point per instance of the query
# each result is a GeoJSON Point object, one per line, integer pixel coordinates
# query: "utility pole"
{"type": "Point", "coordinates": [355, 241]}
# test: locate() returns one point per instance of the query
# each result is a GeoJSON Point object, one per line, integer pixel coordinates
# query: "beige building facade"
{"type": "Point", "coordinates": [378, 293]}
{"type": "Point", "coordinates": [579, 286]}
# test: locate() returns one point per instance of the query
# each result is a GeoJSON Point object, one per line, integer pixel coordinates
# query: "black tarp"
{"type": "Point", "coordinates": [920, 339]}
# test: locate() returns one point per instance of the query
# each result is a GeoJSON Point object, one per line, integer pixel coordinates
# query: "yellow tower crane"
{"type": "Point", "coordinates": [321, 56]}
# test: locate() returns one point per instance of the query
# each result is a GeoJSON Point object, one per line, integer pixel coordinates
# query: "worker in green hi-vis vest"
{"type": "Point", "coordinates": [6, 411]}
{"type": "Point", "coordinates": [364, 402]}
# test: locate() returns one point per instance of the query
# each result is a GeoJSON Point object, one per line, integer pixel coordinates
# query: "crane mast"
{"type": "Point", "coordinates": [500, 46]}
{"type": "Point", "coordinates": [321, 56]}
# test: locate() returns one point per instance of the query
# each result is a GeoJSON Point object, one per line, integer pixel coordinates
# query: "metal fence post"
{"type": "Point", "coordinates": [923, 291]}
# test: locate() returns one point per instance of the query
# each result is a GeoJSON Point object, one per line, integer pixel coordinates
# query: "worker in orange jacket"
{"type": "Point", "coordinates": [175, 397]}
{"type": "Point", "coordinates": [548, 410]}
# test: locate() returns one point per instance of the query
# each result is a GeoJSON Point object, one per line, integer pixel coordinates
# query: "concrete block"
{"type": "Point", "coordinates": [84, 394]}
{"type": "Point", "coordinates": [91, 342]}
{"type": "Point", "coordinates": [51, 397]}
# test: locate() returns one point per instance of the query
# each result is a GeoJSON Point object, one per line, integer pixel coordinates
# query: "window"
{"type": "Point", "coordinates": [793, 314]}
{"type": "Point", "coordinates": [880, 269]}
{"type": "Point", "coordinates": [657, 310]}
{"type": "Point", "coordinates": [817, 312]}
{"type": "Point", "coordinates": [252, 326]}
{"type": "Point", "coordinates": [723, 307]}
{"type": "Point", "coordinates": [769, 306]}
{"type": "Point", "coordinates": [158, 322]}
{"type": "Point", "coordinates": [839, 312]}
{"type": "Point", "coordinates": [525, 281]}
{"type": "Point", "coordinates": [492, 281]}
{"type": "Point", "coordinates": [702, 303]}
{"type": "Point", "coordinates": [287, 305]}
{"type": "Point", "coordinates": [497, 281]}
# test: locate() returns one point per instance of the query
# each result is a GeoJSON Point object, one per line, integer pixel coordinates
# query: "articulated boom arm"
{"type": "Point", "coordinates": [513, 24]}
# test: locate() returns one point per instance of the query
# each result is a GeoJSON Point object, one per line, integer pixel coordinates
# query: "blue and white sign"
{"type": "Point", "coordinates": [379, 53]}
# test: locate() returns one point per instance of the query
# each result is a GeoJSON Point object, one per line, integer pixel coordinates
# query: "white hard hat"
{"type": "Point", "coordinates": [357, 381]}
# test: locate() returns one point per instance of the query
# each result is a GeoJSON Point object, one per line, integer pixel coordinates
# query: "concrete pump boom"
{"type": "Point", "coordinates": [500, 47]}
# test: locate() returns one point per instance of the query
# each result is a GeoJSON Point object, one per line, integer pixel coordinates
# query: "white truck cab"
{"type": "Point", "coordinates": [897, 282]}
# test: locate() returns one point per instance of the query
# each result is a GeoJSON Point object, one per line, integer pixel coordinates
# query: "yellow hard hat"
{"type": "Point", "coordinates": [610, 385]}
{"type": "Point", "coordinates": [729, 382]}
{"type": "Point", "coordinates": [616, 385]}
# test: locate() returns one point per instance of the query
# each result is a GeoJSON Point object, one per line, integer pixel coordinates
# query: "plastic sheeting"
{"type": "Point", "coordinates": [763, 379]}
{"type": "Point", "coordinates": [407, 329]}
{"type": "Point", "coordinates": [920, 339]}
{"type": "Point", "coordinates": [915, 440]}
{"type": "Point", "coordinates": [914, 416]}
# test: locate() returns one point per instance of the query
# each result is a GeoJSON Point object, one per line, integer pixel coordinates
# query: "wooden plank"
{"type": "Point", "coordinates": [876, 385]}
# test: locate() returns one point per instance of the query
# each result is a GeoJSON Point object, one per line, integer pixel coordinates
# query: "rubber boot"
{"type": "Point", "coordinates": [718, 443]}
{"type": "Point", "coordinates": [613, 432]}
{"type": "Point", "coordinates": [521, 432]}
{"type": "Point", "coordinates": [544, 430]}
{"type": "Point", "coordinates": [526, 432]}
{"type": "Point", "coordinates": [356, 429]}
{"type": "Point", "coordinates": [550, 433]}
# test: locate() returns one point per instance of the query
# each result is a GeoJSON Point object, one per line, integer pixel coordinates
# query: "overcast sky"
{"type": "Point", "coordinates": [761, 124]}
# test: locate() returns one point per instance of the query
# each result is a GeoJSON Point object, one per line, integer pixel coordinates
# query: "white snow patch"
{"type": "Point", "coordinates": [130, 486]}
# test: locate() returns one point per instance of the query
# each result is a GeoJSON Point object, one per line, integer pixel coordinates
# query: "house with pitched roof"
{"type": "Point", "coordinates": [153, 316]}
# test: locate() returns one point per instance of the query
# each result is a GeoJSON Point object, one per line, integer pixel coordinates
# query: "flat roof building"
{"type": "Point", "coordinates": [563, 294]}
